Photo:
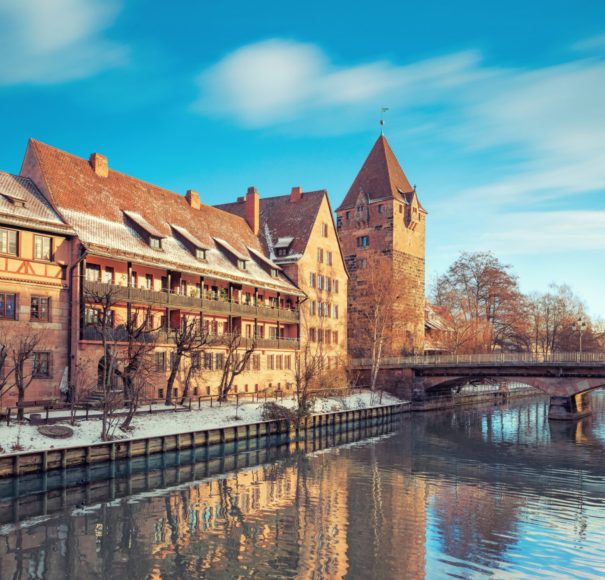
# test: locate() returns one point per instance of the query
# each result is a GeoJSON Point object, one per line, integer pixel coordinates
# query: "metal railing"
{"type": "Point", "coordinates": [491, 359]}
{"type": "Point", "coordinates": [209, 304]}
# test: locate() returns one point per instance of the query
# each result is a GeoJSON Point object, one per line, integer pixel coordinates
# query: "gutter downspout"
{"type": "Point", "coordinates": [70, 318]}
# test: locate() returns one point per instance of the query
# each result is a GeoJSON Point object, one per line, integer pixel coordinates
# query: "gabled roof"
{"type": "Point", "coordinates": [380, 177]}
{"type": "Point", "coordinates": [31, 210]}
{"type": "Point", "coordinates": [282, 218]}
{"type": "Point", "coordinates": [94, 206]}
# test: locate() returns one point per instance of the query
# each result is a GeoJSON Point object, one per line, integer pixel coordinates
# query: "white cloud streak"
{"type": "Point", "coordinates": [46, 42]}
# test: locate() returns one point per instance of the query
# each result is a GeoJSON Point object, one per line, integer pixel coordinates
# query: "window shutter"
{"type": "Point", "coordinates": [17, 302]}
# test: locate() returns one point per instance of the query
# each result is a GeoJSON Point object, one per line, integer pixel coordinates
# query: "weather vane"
{"type": "Point", "coordinates": [383, 110]}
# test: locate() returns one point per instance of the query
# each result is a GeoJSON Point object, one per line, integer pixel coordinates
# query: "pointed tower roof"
{"type": "Point", "coordinates": [380, 177]}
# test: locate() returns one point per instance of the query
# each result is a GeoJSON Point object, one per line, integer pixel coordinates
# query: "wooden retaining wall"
{"type": "Point", "coordinates": [28, 462]}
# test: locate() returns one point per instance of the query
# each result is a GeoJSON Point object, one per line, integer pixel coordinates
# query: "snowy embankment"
{"type": "Point", "coordinates": [25, 437]}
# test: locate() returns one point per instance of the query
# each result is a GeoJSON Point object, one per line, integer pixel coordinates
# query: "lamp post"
{"type": "Point", "coordinates": [580, 325]}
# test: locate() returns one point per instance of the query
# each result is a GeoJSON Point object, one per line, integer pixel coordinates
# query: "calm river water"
{"type": "Point", "coordinates": [496, 492]}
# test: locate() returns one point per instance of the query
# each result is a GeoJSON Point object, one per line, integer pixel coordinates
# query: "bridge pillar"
{"type": "Point", "coordinates": [569, 408]}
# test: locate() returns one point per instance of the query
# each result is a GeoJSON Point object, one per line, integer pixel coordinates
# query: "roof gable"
{"type": "Point", "coordinates": [380, 177]}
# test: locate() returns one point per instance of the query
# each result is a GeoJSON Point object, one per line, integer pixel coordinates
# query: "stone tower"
{"type": "Point", "coordinates": [382, 215]}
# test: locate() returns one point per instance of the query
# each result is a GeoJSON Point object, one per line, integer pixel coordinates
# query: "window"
{"type": "Point", "coordinates": [324, 230]}
{"type": "Point", "coordinates": [91, 316]}
{"type": "Point", "coordinates": [164, 283]}
{"type": "Point", "coordinates": [312, 279]}
{"type": "Point", "coordinates": [8, 306]}
{"type": "Point", "coordinates": [133, 279]}
{"type": "Point", "coordinates": [328, 284]}
{"type": "Point", "coordinates": [241, 264]}
{"type": "Point", "coordinates": [274, 272]}
{"type": "Point", "coordinates": [273, 332]}
{"type": "Point", "coordinates": [348, 215]}
{"type": "Point", "coordinates": [160, 361]}
{"type": "Point", "coordinates": [335, 286]}
{"type": "Point", "coordinates": [313, 308]}
{"type": "Point", "coordinates": [155, 243]}
{"type": "Point", "coordinates": [208, 361]}
{"type": "Point", "coordinates": [381, 208]}
{"type": "Point", "coordinates": [312, 335]}
{"type": "Point", "coordinates": [400, 209]}
{"type": "Point", "coordinates": [200, 254]}
{"type": "Point", "coordinates": [320, 255]}
{"type": "Point", "coordinates": [108, 275]}
{"type": "Point", "coordinates": [41, 365]}
{"type": "Point", "coordinates": [329, 258]}
{"type": "Point", "coordinates": [43, 248]}
{"type": "Point", "coordinates": [93, 273]}
{"type": "Point", "coordinates": [173, 360]}
{"type": "Point", "coordinates": [281, 252]}
{"type": "Point", "coordinates": [335, 336]}
{"type": "Point", "coordinates": [338, 222]}
{"type": "Point", "coordinates": [320, 282]}
{"type": "Point", "coordinates": [362, 263]}
{"type": "Point", "coordinates": [320, 335]}
{"type": "Point", "coordinates": [219, 361]}
{"type": "Point", "coordinates": [270, 362]}
{"type": "Point", "coordinates": [40, 308]}
{"type": "Point", "coordinates": [256, 363]}
{"type": "Point", "coordinates": [327, 336]}
{"type": "Point", "coordinates": [279, 360]}
{"type": "Point", "coordinates": [363, 241]}
{"type": "Point", "coordinates": [9, 242]}
{"type": "Point", "coordinates": [160, 393]}
{"type": "Point", "coordinates": [287, 362]}
{"type": "Point", "coordinates": [335, 311]}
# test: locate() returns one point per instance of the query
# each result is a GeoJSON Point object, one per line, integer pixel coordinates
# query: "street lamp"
{"type": "Point", "coordinates": [580, 325]}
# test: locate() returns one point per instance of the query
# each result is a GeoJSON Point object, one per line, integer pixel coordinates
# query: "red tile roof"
{"type": "Point", "coordinates": [94, 206]}
{"type": "Point", "coordinates": [380, 177]}
{"type": "Point", "coordinates": [282, 218]}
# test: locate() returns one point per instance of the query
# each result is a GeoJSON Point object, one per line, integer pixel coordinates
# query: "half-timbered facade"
{"type": "Point", "coordinates": [35, 253]}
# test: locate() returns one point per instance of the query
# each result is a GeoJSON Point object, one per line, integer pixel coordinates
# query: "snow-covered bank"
{"type": "Point", "coordinates": [26, 437]}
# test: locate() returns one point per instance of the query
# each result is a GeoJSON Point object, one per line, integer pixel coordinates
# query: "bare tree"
{"type": "Point", "coordinates": [22, 351]}
{"type": "Point", "coordinates": [485, 303]}
{"type": "Point", "coordinates": [377, 323]}
{"type": "Point", "coordinates": [6, 370]}
{"type": "Point", "coordinates": [236, 361]}
{"type": "Point", "coordinates": [307, 368]}
{"type": "Point", "coordinates": [189, 338]}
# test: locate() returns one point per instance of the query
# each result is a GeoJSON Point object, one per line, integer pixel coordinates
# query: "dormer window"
{"type": "Point", "coordinates": [155, 243]}
{"type": "Point", "coordinates": [274, 272]}
{"type": "Point", "coordinates": [241, 264]}
{"type": "Point", "coordinates": [200, 253]}
{"type": "Point", "coordinates": [281, 252]}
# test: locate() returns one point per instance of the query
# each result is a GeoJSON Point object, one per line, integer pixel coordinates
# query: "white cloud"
{"type": "Point", "coordinates": [278, 82]}
{"type": "Point", "coordinates": [44, 41]}
{"type": "Point", "coordinates": [545, 232]}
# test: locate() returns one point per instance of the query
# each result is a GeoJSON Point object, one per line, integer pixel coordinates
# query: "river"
{"type": "Point", "coordinates": [469, 493]}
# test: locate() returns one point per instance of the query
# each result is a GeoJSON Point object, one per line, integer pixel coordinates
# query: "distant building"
{"type": "Point", "coordinates": [298, 233]}
{"type": "Point", "coordinates": [381, 213]}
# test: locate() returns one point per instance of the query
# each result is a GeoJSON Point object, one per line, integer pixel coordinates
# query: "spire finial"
{"type": "Point", "coordinates": [383, 110]}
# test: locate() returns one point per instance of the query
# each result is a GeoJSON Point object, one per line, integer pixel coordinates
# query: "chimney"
{"type": "Point", "coordinates": [253, 210]}
{"type": "Point", "coordinates": [99, 164]}
{"type": "Point", "coordinates": [193, 199]}
{"type": "Point", "coordinates": [296, 194]}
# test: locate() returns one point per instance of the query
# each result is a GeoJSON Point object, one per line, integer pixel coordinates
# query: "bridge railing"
{"type": "Point", "coordinates": [499, 358]}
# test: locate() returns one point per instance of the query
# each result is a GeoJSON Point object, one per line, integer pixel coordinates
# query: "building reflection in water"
{"type": "Point", "coordinates": [376, 508]}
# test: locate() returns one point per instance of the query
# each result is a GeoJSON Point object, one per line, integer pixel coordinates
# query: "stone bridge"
{"type": "Point", "coordinates": [566, 377]}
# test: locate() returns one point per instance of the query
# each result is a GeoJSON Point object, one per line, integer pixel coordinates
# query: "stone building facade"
{"type": "Point", "coordinates": [298, 233]}
{"type": "Point", "coordinates": [382, 217]}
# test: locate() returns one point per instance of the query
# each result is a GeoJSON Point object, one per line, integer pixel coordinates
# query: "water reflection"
{"type": "Point", "coordinates": [465, 493]}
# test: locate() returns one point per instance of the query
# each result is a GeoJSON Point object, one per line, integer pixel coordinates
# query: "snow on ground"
{"type": "Point", "coordinates": [25, 437]}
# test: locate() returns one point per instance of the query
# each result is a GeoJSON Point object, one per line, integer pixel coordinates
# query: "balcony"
{"type": "Point", "coordinates": [119, 334]}
{"type": "Point", "coordinates": [206, 305]}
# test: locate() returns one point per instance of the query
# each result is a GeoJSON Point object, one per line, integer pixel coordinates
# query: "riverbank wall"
{"type": "Point", "coordinates": [451, 400]}
{"type": "Point", "coordinates": [32, 462]}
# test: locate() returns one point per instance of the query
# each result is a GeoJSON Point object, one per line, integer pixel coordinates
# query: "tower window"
{"type": "Point", "coordinates": [381, 208]}
{"type": "Point", "coordinates": [363, 241]}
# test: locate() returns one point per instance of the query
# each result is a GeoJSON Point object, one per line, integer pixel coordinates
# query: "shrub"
{"type": "Point", "coordinates": [274, 412]}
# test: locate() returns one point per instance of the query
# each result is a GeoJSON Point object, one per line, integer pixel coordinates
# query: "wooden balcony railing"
{"type": "Point", "coordinates": [119, 334]}
{"type": "Point", "coordinates": [205, 304]}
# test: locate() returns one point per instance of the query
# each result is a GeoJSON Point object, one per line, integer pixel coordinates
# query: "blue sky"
{"type": "Point", "coordinates": [496, 111]}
